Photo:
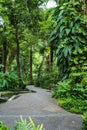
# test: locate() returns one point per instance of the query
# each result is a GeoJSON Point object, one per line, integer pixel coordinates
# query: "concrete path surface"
{"type": "Point", "coordinates": [42, 109]}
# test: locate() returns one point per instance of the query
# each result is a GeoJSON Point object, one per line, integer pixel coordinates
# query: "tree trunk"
{"type": "Point", "coordinates": [51, 57]}
{"type": "Point", "coordinates": [11, 57]}
{"type": "Point", "coordinates": [48, 63]}
{"type": "Point", "coordinates": [4, 55]}
{"type": "Point", "coordinates": [31, 63]}
{"type": "Point", "coordinates": [18, 55]}
{"type": "Point", "coordinates": [0, 55]}
{"type": "Point", "coordinates": [39, 70]}
{"type": "Point", "coordinates": [85, 7]}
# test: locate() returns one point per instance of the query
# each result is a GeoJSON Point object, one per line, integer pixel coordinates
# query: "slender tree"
{"type": "Point", "coordinates": [31, 63]}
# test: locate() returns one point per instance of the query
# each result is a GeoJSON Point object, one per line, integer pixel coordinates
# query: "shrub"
{"type": "Point", "coordinates": [72, 93]}
{"type": "Point", "coordinates": [84, 124]}
{"type": "Point", "coordinates": [73, 105]}
{"type": "Point", "coordinates": [62, 89]}
{"type": "Point", "coordinates": [2, 126]}
{"type": "Point", "coordinates": [46, 80]}
{"type": "Point", "coordinates": [8, 80]}
{"type": "Point", "coordinates": [23, 125]}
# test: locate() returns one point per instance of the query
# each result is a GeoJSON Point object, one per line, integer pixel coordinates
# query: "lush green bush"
{"type": "Point", "coordinates": [62, 89]}
{"type": "Point", "coordinates": [73, 105]}
{"type": "Point", "coordinates": [46, 80]}
{"type": "Point", "coordinates": [70, 37]}
{"type": "Point", "coordinates": [23, 125]}
{"type": "Point", "coordinates": [2, 126]}
{"type": "Point", "coordinates": [8, 80]}
{"type": "Point", "coordinates": [84, 124]}
{"type": "Point", "coordinates": [72, 93]}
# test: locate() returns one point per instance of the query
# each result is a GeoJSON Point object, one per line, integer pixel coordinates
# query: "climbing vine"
{"type": "Point", "coordinates": [70, 38]}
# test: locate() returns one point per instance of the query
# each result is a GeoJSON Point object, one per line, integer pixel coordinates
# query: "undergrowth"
{"type": "Point", "coordinates": [23, 125]}
{"type": "Point", "coordinates": [46, 80]}
{"type": "Point", "coordinates": [72, 93]}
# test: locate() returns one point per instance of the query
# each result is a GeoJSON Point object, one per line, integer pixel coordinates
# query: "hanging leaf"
{"type": "Point", "coordinates": [65, 50]}
{"type": "Point", "coordinates": [62, 28]}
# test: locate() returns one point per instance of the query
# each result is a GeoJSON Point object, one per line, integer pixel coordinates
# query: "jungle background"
{"type": "Point", "coordinates": [46, 47]}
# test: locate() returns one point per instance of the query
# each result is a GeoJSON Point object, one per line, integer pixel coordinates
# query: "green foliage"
{"type": "Point", "coordinates": [46, 80]}
{"type": "Point", "coordinates": [84, 82]}
{"type": "Point", "coordinates": [22, 25]}
{"type": "Point", "coordinates": [2, 126]}
{"type": "Point", "coordinates": [70, 41]}
{"type": "Point", "coordinates": [84, 124]}
{"type": "Point", "coordinates": [8, 80]}
{"type": "Point", "coordinates": [62, 89]}
{"type": "Point", "coordinates": [70, 38]}
{"type": "Point", "coordinates": [73, 104]}
{"type": "Point", "coordinates": [23, 125]}
{"type": "Point", "coordinates": [72, 92]}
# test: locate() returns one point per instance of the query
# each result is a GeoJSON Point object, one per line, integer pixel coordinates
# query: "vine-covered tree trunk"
{"type": "Point", "coordinates": [4, 51]}
{"type": "Point", "coordinates": [31, 62]}
{"type": "Point", "coordinates": [11, 57]}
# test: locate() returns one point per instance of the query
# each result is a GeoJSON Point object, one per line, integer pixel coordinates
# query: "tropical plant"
{"type": "Point", "coordinates": [69, 37]}
{"type": "Point", "coordinates": [3, 127]}
{"type": "Point", "coordinates": [8, 80]}
{"type": "Point", "coordinates": [72, 93]}
{"type": "Point", "coordinates": [84, 124]}
{"type": "Point", "coordinates": [47, 79]}
{"type": "Point", "coordinates": [23, 125]}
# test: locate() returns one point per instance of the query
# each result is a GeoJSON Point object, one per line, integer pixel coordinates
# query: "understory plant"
{"type": "Point", "coordinates": [8, 80]}
{"type": "Point", "coordinates": [72, 92]}
{"type": "Point", "coordinates": [23, 125]}
{"type": "Point", "coordinates": [3, 126]}
{"type": "Point", "coordinates": [46, 80]}
{"type": "Point", "coordinates": [84, 124]}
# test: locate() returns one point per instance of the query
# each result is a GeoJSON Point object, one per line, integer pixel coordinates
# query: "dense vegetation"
{"type": "Point", "coordinates": [46, 47]}
{"type": "Point", "coordinates": [70, 38]}
{"type": "Point", "coordinates": [71, 51]}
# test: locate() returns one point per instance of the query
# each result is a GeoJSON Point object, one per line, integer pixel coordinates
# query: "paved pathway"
{"type": "Point", "coordinates": [42, 109]}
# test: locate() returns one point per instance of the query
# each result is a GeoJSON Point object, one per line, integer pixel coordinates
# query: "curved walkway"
{"type": "Point", "coordinates": [42, 109]}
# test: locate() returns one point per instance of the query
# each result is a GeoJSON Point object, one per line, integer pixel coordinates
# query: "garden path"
{"type": "Point", "coordinates": [42, 109]}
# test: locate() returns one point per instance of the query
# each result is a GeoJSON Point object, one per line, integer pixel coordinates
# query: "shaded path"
{"type": "Point", "coordinates": [42, 109]}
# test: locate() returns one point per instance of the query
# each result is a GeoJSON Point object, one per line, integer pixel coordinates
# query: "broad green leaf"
{"type": "Point", "coordinates": [68, 31]}
{"type": "Point", "coordinates": [62, 28]}
{"type": "Point", "coordinates": [71, 24]}
{"type": "Point", "coordinates": [66, 50]}
{"type": "Point", "coordinates": [76, 45]}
